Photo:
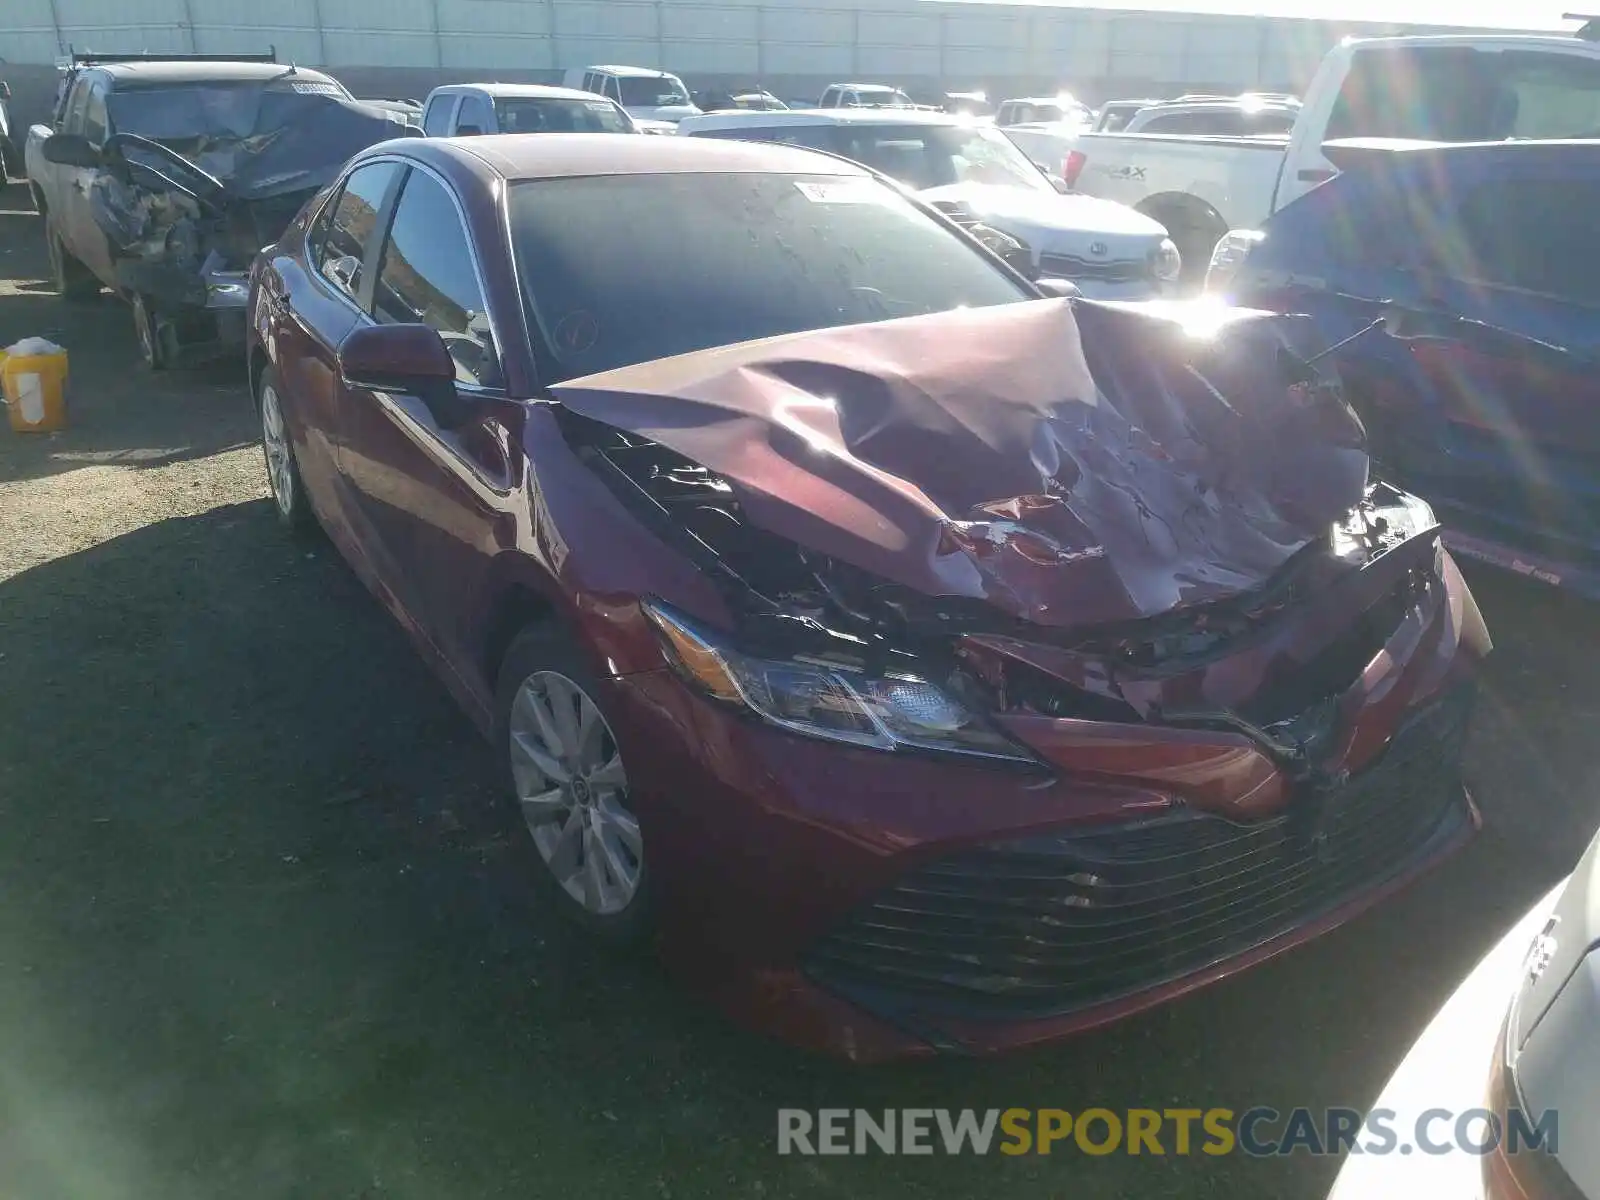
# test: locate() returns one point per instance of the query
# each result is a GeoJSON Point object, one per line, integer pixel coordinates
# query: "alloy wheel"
{"type": "Point", "coordinates": [275, 443]}
{"type": "Point", "coordinates": [573, 792]}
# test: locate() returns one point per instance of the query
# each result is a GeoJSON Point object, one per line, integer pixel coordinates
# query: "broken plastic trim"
{"type": "Point", "coordinates": [828, 701]}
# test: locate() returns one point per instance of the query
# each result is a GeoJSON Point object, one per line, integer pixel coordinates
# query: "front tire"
{"type": "Point", "coordinates": [145, 328]}
{"type": "Point", "coordinates": [72, 279]}
{"type": "Point", "coordinates": [569, 782]}
{"type": "Point", "coordinates": [277, 448]}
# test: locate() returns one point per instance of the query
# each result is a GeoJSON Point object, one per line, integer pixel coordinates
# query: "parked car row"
{"type": "Point", "coordinates": [978, 177]}
{"type": "Point", "coordinates": [1448, 88]}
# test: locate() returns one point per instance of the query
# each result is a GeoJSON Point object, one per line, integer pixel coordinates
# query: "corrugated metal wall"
{"type": "Point", "coordinates": [811, 39]}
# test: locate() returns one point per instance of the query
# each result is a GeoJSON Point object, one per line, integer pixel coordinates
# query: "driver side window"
{"type": "Point", "coordinates": [94, 112]}
{"type": "Point", "coordinates": [346, 226]}
{"type": "Point", "coordinates": [77, 98]}
{"type": "Point", "coordinates": [426, 275]}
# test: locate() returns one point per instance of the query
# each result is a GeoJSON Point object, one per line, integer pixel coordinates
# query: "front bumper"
{"type": "Point", "coordinates": [1098, 279]}
{"type": "Point", "coordinates": [880, 905]}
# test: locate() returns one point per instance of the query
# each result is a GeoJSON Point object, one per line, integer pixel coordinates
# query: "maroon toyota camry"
{"type": "Point", "coordinates": [921, 658]}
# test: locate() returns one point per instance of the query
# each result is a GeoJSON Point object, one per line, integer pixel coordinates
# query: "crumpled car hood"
{"type": "Point", "coordinates": [1070, 467]}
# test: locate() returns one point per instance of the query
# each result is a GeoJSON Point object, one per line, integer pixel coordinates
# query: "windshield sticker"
{"type": "Point", "coordinates": [849, 191]}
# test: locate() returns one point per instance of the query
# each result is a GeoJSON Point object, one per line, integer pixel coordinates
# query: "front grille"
{"type": "Point", "coordinates": [1067, 266]}
{"type": "Point", "coordinates": [1050, 924]}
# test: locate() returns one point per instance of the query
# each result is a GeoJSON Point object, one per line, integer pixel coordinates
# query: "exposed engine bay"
{"type": "Point", "coordinates": [1115, 519]}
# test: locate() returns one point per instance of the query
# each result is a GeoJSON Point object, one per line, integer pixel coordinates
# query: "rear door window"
{"type": "Point", "coordinates": [1531, 236]}
{"type": "Point", "coordinates": [426, 275]}
{"type": "Point", "coordinates": [72, 113]}
{"type": "Point", "coordinates": [348, 226]}
{"type": "Point", "coordinates": [436, 122]}
{"type": "Point", "coordinates": [94, 111]}
{"type": "Point", "coordinates": [1458, 94]}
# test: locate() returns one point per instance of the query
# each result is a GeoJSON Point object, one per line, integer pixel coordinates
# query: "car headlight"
{"type": "Point", "coordinates": [1393, 517]}
{"type": "Point", "coordinates": [1166, 264]}
{"type": "Point", "coordinates": [1229, 256]}
{"type": "Point", "coordinates": [829, 701]}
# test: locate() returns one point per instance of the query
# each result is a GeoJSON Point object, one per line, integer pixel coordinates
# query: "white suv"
{"type": "Point", "coordinates": [647, 94]}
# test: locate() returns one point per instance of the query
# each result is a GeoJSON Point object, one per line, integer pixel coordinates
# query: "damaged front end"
{"type": "Point", "coordinates": [186, 209]}
{"type": "Point", "coordinates": [1115, 490]}
{"type": "Point", "coordinates": [1137, 566]}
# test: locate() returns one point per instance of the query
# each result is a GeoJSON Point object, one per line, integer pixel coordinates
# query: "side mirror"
{"type": "Point", "coordinates": [343, 271]}
{"type": "Point", "coordinates": [1061, 289]}
{"type": "Point", "coordinates": [70, 150]}
{"type": "Point", "coordinates": [410, 359]}
{"type": "Point", "coordinates": [1410, 326]}
{"type": "Point", "coordinates": [469, 131]}
{"type": "Point", "coordinates": [5, 90]}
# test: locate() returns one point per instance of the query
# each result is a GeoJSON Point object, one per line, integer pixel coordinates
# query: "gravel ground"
{"type": "Point", "coordinates": [265, 931]}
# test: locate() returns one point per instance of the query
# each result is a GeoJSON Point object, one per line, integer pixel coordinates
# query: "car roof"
{"type": "Point", "coordinates": [158, 74]}
{"type": "Point", "coordinates": [645, 72]}
{"type": "Point", "coordinates": [823, 116]}
{"type": "Point", "coordinates": [1406, 151]}
{"type": "Point", "coordinates": [565, 155]}
{"type": "Point", "coordinates": [1482, 41]}
{"type": "Point", "coordinates": [867, 87]}
{"type": "Point", "coordinates": [517, 90]}
{"type": "Point", "coordinates": [1063, 100]}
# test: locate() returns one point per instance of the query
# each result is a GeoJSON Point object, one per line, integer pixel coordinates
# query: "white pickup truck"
{"type": "Point", "coordinates": [1452, 88]}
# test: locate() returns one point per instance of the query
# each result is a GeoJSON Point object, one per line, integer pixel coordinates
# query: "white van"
{"type": "Point", "coordinates": [646, 95]}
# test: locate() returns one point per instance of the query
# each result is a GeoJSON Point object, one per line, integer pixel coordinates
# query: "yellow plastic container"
{"type": "Point", "coordinates": [36, 391]}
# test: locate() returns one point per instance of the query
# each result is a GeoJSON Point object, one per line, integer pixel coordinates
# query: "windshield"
{"type": "Point", "coordinates": [208, 110]}
{"type": "Point", "coordinates": [529, 114]}
{"type": "Point", "coordinates": [646, 91]}
{"type": "Point", "coordinates": [1458, 94]}
{"type": "Point", "coordinates": [620, 269]}
{"type": "Point", "coordinates": [928, 156]}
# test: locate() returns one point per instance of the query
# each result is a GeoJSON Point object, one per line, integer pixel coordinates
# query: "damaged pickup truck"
{"type": "Point", "coordinates": [929, 663]}
{"type": "Point", "coordinates": [163, 178]}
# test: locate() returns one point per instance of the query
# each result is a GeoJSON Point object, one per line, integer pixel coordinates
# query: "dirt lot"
{"type": "Point", "coordinates": [265, 931]}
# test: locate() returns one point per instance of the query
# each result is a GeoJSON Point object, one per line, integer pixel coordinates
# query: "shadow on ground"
{"type": "Point", "coordinates": [165, 417]}
{"type": "Point", "coordinates": [265, 931]}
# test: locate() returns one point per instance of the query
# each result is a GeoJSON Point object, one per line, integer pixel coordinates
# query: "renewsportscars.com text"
{"type": "Point", "coordinates": [1259, 1132]}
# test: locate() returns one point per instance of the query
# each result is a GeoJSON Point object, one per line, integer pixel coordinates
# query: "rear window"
{"type": "Point", "coordinates": [641, 91]}
{"type": "Point", "coordinates": [1458, 94]}
{"type": "Point", "coordinates": [1240, 123]}
{"type": "Point", "coordinates": [207, 110]}
{"type": "Point", "coordinates": [528, 114]}
{"type": "Point", "coordinates": [620, 269]}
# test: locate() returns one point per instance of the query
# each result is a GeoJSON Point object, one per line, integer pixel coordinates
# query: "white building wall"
{"type": "Point", "coordinates": [894, 40]}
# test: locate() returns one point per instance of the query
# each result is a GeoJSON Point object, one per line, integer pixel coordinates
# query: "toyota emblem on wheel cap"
{"type": "Point", "coordinates": [1098, 249]}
